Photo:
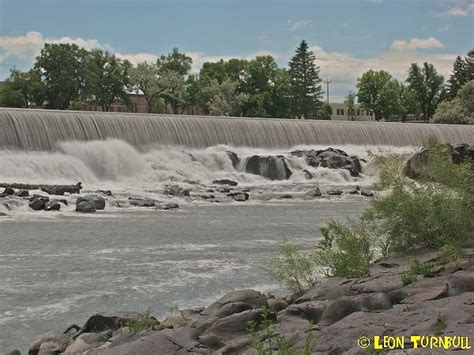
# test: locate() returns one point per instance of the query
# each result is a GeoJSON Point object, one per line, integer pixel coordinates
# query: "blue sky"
{"type": "Point", "coordinates": [348, 36]}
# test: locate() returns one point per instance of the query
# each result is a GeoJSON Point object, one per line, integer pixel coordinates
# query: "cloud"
{"type": "Point", "coordinates": [296, 25]}
{"type": "Point", "coordinates": [344, 69]}
{"type": "Point", "coordinates": [418, 43]}
{"type": "Point", "coordinates": [27, 47]}
{"type": "Point", "coordinates": [459, 8]}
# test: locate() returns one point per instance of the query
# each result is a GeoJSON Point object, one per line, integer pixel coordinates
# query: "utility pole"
{"type": "Point", "coordinates": [327, 82]}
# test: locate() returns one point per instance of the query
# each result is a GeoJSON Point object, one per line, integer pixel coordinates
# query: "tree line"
{"type": "Point", "coordinates": [65, 76]}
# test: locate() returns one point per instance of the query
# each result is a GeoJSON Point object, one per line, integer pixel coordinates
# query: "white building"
{"type": "Point", "coordinates": [339, 112]}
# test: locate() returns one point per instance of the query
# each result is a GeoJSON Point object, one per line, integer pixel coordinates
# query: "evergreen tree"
{"type": "Point", "coordinates": [305, 88]}
{"type": "Point", "coordinates": [463, 72]}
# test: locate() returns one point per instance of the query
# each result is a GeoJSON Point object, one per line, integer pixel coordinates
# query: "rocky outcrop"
{"type": "Point", "coordinates": [415, 164]}
{"type": "Point", "coordinates": [176, 190]}
{"type": "Point", "coordinates": [90, 203]}
{"type": "Point", "coordinates": [38, 202]}
{"type": "Point", "coordinates": [270, 167]}
{"type": "Point", "coordinates": [337, 312]}
{"type": "Point", "coordinates": [330, 158]}
{"type": "Point", "coordinates": [225, 182]}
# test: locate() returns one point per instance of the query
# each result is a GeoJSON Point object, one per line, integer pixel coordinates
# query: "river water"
{"type": "Point", "coordinates": [58, 271]}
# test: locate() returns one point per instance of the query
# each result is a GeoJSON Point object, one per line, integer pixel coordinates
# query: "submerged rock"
{"type": "Point", "coordinates": [176, 190]}
{"type": "Point", "coordinates": [314, 192]}
{"type": "Point", "coordinates": [270, 167]}
{"type": "Point", "coordinates": [239, 196]}
{"type": "Point", "coordinates": [38, 202]}
{"type": "Point", "coordinates": [85, 206]}
{"type": "Point", "coordinates": [97, 201]}
{"type": "Point", "coordinates": [8, 191]}
{"type": "Point", "coordinates": [225, 182]}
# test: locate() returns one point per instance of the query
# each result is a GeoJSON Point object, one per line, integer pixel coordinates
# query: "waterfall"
{"type": "Point", "coordinates": [27, 129]}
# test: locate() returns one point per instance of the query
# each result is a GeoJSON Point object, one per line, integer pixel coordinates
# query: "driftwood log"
{"type": "Point", "coordinates": [50, 189]}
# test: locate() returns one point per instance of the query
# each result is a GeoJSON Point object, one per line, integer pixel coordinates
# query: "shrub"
{"type": "Point", "coordinates": [407, 278]}
{"type": "Point", "coordinates": [345, 251]}
{"type": "Point", "coordinates": [146, 322]}
{"type": "Point", "coordinates": [295, 269]}
{"type": "Point", "coordinates": [419, 268]}
{"type": "Point", "coordinates": [433, 211]}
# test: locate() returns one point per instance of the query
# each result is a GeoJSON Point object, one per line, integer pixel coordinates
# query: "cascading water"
{"type": "Point", "coordinates": [43, 129]}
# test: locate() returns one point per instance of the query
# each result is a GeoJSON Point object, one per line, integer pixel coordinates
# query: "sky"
{"type": "Point", "coordinates": [347, 36]}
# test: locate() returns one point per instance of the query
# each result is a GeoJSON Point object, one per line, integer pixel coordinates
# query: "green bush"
{"type": "Point", "coordinates": [146, 322]}
{"type": "Point", "coordinates": [295, 269]}
{"type": "Point", "coordinates": [419, 268]}
{"type": "Point", "coordinates": [344, 251]}
{"type": "Point", "coordinates": [407, 278]}
{"type": "Point", "coordinates": [433, 211]}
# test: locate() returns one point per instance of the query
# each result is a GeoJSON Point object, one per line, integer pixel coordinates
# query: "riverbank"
{"type": "Point", "coordinates": [329, 318]}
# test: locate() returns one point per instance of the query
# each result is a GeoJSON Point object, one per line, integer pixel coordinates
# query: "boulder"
{"type": "Point", "coordinates": [277, 304]}
{"type": "Point", "coordinates": [250, 297]}
{"type": "Point", "coordinates": [331, 158]}
{"type": "Point", "coordinates": [86, 207]}
{"type": "Point", "coordinates": [334, 192]}
{"type": "Point", "coordinates": [167, 206]}
{"type": "Point", "coordinates": [225, 182]}
{"type": "Point", "coordinates": [307, 174]}
{"type": "Point", "coordinates": [51, 342]}
{"type": "Point", "coordinates": [314, 192]}
{"type": "Point", "coordinates": [460, 282]}
{"type": "Point", "coordinates": [52, 206]}
{"type": "Point", "coordinates": [331, 289]}
{"type": "Point", "coordinates": [8, 191]}
{"type": "Point", "coordinates": [88, 341]}
{"type": "Point", "coordinates": [233, 158]}
{"type": "Point", "coordinates": [239, 196]}
{"type": "Point", "coordinates": [97, 201]}
{"type": "Point", "coordinates": [141, 202]}
{"type": "Point", "coordinates": [176, 190]}
{"type": "Point", "coordinates": [13, 352]}
{"type": "Point", "coordinates": [102, 322]}
{"type": "Point", "coordinates": [270, 167]}
{"type": "Point", "coordinates": [38, 202]}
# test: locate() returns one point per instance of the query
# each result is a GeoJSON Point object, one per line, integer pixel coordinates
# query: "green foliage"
{"type": "Point", "coordinates": [460, 110]}
{"type": "Point", "coordinates": [345, 251]}
{"type": "Point", "coordinates": [305, 83]}
{"type": "Point", "coordinates": [407, 278]}
{"type": "Point", "coordinates": [352, 112]}
{"type": "Point", "coordinates": [106, 79]}
{"type": "Point", "coordinates": [440, 325]}
{"type": "Point", "coordinates": [325, 112]}
{"type": "Point", "coordinates": [223, 99]}
{"type": "Point", "coordinates": [10, 97]}
{"type": "Point", "coordinates": [295, 269]}
{"type": "Point", "coordinates": [433, 211]}
{"type": "Point", "coordinates": [378, 92]}
{"type": "Point", "coordinates": [427, 85]}
{"type": "Point", "coordinates": [146, 322]}
{"type": "Point", "coordinates": [463, 72]}
{"type": "Point", "coordinates": [62, 67]}
{"type": "Point", "coordinates": [265, 339]}
{"type": "Point", "coordinates": [419, 268]}
{"type": "Point", "coordinates": [449, 253]}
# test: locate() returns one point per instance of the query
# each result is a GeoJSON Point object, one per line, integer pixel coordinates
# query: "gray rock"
{"type": "Point", "coordinates": [307, 174]}
{"type": "Point", "coordinates": [102, 322]}
{"type": "Point", "coordinates": [334, 192]}
{"type": "Point", "coordinates": [85, 207]}
{"type": "Point", "coordinates": [38, 202]}
{"type": "Point", "coordinates": [49, 339]}
{"type": "Point", "coordinates": [231, 308]}
{"type": "Point", "coordinates": [346, 305]}
{"type": "Point", "coordinates": [8, 191]}
{"type": "Point", "coordinates": [239, 196]}
{"type": "Point", "coordinates": [270, 167]}
{"type": "Point", "coordinates": [98, 201]}
{"type": "Point", "coordinates": [13, 352]}
{"type": "Point", "coordinates": [378, 283]}
{"type": "Point", "coordinates": [3, 214]}
{"type": "Point", "coordinates": [141, 202]}
{"type": "Point", "coordinates": [52, 206]}
{"type": "Point", "coordinates": [225, 182]}
{"type": "Point", "coordinates": [310, 311]}
{"type": "Point", "coordinates": [331, 289]}
{"type": "Point", "coordinates": [460, 282]}
{"type": "Point", "coordinates": [88, 341]}
{"type": "Point", "coordinates": [167, 206]}
{"type": "Point", "coordinates": [23, 193]}
{"type": "Point", "coordinates": [331, 158]}
{"type": "Point", "coordinates": [277, 304]}
{"type": "Point", "coordinates": [233, 158]}
{"type": "Point", "coordinates": [176, 190]}
{"type": "Point", "coordinates": [314, 192]}
{"type": "Point", "coordinates": [251, 297]}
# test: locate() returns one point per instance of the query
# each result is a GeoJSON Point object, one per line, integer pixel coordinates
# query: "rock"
{"type": "Point", "coordinates": [141, 202]}
{"type": "Point", "coordinates": [236, 346]}
{"type": "Point", "coordinates": [167, 206]}
{"type": "Point", "coordinates": [101, 322]}
{"type": "Point", "coordinates": [52, 206]}
{"type": "Point", "coordinates": [310, 311]}
{"type": "Point", "coordinates": [331, 289]}
{"type": "Point", "coordinates": [176, 190]}
{"type": "Point", "coordinates": [286, 197]}
{"type": "Point", "coordinates": [270, 167]}
{"type": "Point", "coordinates": [104, 192]}
{"type": "Point", "coordinates": [314, 192]}
{"type": "Point", "coordinates": [460, 282]}
{"type": "Point", "coordinates": [239, 196]}
{"type": "Point", "coordinates": [85, 207]}
{"type": "Point", "coordinates": [233, 158]}
{"type": "Point", "coordinates": [334, 192]}
{"type": "Point", "coordinates": [229, 328]}
{"type": "Point", "coordinates": [354, 191]}
{"type": "Point", "coordinates": [88, 341]}
{"type": "Point", "coordinates": [51, 341]}
{"type": "Point", "coordinates": [346, 305]}
{"type": "Point", "coordinates": [38, 202]}
{"type": "Point", "coordinates": [251, 297]}
{"type": "Point", "coordinates": [3, 214]}
{"type": "Point", "coordinates": [97, 201]}
{"type": "Point", "coordinates": [384, 283]}
{"type": "Point", "coordinates": [207, 197]}
{"type": "Point", "coordinates": [331, 158]}
{"type": "Point", "coordinates": [14, 352]}
{"type": "Point", "coordinates": [231, 308]}
{"type": "Point", "coordinates": [277, 304]}
{"type": "Point", "coordinates": [307, 174]}
{"type": "Point", "coordinates": [366, 193]}
{"type": "Point", "coordinates": [8, 191]}
{"type": "Point", "coordinates": [225, 182]}
{"type": "Point", "coordinates": [49, 348]}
